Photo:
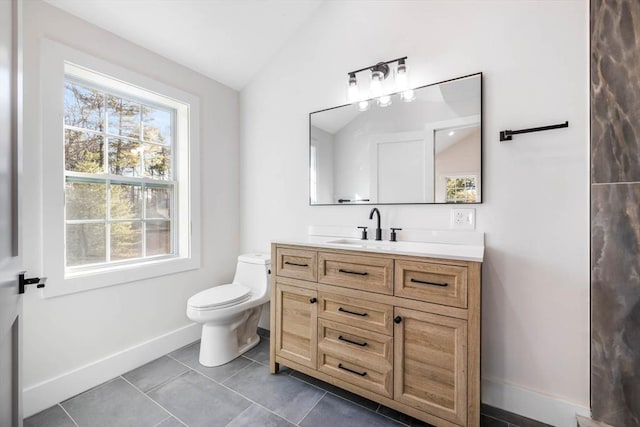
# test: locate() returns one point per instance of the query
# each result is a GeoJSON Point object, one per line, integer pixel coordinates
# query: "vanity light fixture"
{"type": "Point", "coordinates": [379, 72]}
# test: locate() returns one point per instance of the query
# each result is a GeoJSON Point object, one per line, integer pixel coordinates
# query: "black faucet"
{"type": "Point", "coordinates": [378, 229]}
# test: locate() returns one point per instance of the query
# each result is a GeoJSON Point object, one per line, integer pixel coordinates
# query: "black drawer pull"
{"type": "Point", "coordinates": [296, 264]}
{"type": "Point", "coordinates": [362, 374]}
{"type": "Point", "coordinates": [352, 312]}
{"type": "Point", "coordinates": [361, 344]}
{"type": "Point", "coordinates": [359, 273]}
{"type": "Point", "coordinates": [429, 283]}
{"type": "Point", "coordinates": [313, 300]}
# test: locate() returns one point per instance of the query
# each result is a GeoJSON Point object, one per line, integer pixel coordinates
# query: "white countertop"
{"type": "Point", "coordinates": [457, 251]}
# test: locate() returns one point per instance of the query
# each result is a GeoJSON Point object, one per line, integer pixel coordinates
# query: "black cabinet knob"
{"type": "Point", "coordinates": [313, 300]}
{"type": "Point", "coordinates": [398, 319]}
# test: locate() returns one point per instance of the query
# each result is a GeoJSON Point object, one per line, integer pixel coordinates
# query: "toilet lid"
{"type": "Point", "coordinates": [220, 296]}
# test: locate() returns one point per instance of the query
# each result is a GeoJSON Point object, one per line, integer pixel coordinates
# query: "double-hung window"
{"type": "Point", "coordinates": [120, 184]}
{"type": "Point", "coordinates": [121, 174]}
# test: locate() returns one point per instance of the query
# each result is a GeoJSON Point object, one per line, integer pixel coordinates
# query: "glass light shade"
{"type": "Point", "coordinates": [352, 91]}
{"type": "Point", "coordinates": [402, 79]}
{"type": "Point", "coordinates": [408, 95]}
{"type": "Point", "coordinates": [376, 83]}
{"type": "Point", "coordinates": [363, 105]}
{"type": "Point", "coordinates": [384, 101]}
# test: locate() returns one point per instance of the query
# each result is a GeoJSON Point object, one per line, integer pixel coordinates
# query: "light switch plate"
{"type": "Point", "coordinates": [463, 218]}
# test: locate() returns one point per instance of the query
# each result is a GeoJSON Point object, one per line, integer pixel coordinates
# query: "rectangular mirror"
{"type": "Point", "coordinates": [428, 150]}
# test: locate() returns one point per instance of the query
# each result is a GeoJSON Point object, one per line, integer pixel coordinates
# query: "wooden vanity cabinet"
{"type": "Point", "coordinates": [403, 331]}
{"type": "Point", "coordinates": [296, 324]}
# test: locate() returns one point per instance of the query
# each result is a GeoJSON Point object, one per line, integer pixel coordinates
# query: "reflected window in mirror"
{"type": "Point", "coordinates": [461, 189]}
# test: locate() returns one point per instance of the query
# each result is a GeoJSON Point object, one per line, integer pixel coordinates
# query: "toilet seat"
{"type": "Point", "coordinates": [220, 297]}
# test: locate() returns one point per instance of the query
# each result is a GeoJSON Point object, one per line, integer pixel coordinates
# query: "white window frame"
{"type": "Point", "coordinates": [59, 61]}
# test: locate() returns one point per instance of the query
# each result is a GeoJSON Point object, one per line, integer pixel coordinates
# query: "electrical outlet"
{"type": "Point", "coordinates": [463, 219]}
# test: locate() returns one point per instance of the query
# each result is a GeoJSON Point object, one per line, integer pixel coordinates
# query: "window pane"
{"type": "Point", "coordinates": [83, 152]}
{"type": "Point", "coordinates": [158, 238]}
{"type": "Point", "coordinates": [156, 125]}
{"type": "Point", "coordinates": [124, 157]}
{"type": "Point", "coordinates": [157, 161]}
{"type": "Point", "coordinates": [85, 200]}
{"type": "Point", "coordinates": [126, 201]}
{"type": "Point", "coordinates": [126, 240]}
{"type": "Point", "coordinates": [158, 202]}
{"type": "Point", "coordinates": [461, 190]}
{"type": "Point", "coordinates": [83, 107]}
{"type": "Point", "coordinates": [124, 117]}
{"type": "Point", "coordinates": [85, 244]}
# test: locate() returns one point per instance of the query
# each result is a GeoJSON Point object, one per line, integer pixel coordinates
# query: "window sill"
{"type": "Point", "coordinates": [109, 276]}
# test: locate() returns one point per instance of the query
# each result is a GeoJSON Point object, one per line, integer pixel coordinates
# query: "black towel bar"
{"type": "Point", "coordinates": [507, 135]}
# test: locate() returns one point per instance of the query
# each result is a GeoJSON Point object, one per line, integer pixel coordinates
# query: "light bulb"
{"type": "Point", "coordinates": [376, 83]}
{"type": "Point", "coordinates": [363, 105]}
{"type": "Point", "coordinates": [408, 95]}
{"type": "Point", "coordinates": [402, 79]}
{"type": "Point", "coordinates": [384, 101]}
{"type": "Point", "coordinates": [352, 92]}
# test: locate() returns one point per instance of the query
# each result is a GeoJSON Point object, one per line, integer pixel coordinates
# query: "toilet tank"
{"type": "Point", "coordinates": [252, 271]}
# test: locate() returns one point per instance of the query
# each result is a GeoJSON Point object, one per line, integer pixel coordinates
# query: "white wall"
{"type": "Point", "coordinates": [76, 341]}
{"type": "Point", "coordinates": [534, 56]}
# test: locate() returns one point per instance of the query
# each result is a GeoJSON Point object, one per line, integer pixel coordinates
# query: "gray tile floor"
{"type": "Point", "coordinates": [176, 391]}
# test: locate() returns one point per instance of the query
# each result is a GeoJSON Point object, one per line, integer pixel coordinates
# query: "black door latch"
{"type": "Point", "coordinates": [22, 282]}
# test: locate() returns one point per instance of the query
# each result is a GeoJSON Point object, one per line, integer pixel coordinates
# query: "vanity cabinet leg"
{"type": "Point", "coordinates": [274, 367]}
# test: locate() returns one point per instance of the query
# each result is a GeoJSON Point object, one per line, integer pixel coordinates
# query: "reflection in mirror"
{"type": "Point", "coordinates": [424, 151]}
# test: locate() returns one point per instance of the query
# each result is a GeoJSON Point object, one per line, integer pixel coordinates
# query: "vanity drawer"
{"type": "Point", "coordinates": [357, 312]}
{"type": "Point", "coordinates": [336, 338]}
{"type": "Point", "coordinates": [356, 272]}
{"type": "Point", "coordinates": [370, 366]}
{"type": "Point", "coordinates": [297, 264]}
{"type": "Point", "coordinates": [436, 283]}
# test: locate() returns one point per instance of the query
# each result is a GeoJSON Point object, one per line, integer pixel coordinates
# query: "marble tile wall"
{"type": "Point", "coordinates": [615, 211]}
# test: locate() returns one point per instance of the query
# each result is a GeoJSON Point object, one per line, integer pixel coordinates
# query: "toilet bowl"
{"type": "Point", "coordinates": [230, 313]}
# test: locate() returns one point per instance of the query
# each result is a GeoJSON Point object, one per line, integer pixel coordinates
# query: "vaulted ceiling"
{"type": "Point", "coordinates": [227, 40]}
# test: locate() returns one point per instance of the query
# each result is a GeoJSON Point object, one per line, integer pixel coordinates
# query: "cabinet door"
{"type": "Point", "coordinates": [430, 363]}
{"type": "Point", "coordinates": [296, 324]}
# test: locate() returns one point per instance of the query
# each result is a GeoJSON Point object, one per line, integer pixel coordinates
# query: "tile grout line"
{"type": "Point", "coordinates": [163, 421]}
{"type": "Point", "coordinates": [155, 387]}
{"type": "Point", "coordinates": [238, 416]}
{"type": "Point", "coordinates": [156, 403]}
{"type": "Point", "coordinates": [238, 393]}
{"type": "Point", "coordinates": [312, 408]}
{"type": "Point", "coordinates": [251, 362]}
{"type": "Point", "coordinates": [68, 414]}
{"type": "Point", "coordinates": [347, 400]}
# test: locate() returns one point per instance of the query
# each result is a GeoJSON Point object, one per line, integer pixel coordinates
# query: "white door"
{"type": "Point", "coordinates": [402, 168]}
{"type": "Point", "coordinates": [10, 245]}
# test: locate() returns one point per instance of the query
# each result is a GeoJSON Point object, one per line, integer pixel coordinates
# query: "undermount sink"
{"type": "Point", "coordinates": [379, 244]}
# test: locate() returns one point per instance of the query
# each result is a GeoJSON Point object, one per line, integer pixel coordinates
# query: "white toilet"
{"type": "Point", "coordinates": [230, 313]}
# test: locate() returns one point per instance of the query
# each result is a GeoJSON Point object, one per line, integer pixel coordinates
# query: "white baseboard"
{"type": "Point", "coordinates": [531, 404]}
{"type": "Point", "coordinates": [54, 390]}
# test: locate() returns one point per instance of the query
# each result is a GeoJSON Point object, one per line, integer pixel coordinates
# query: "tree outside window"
{"type": "Point", "coordinates": [119, 169]}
